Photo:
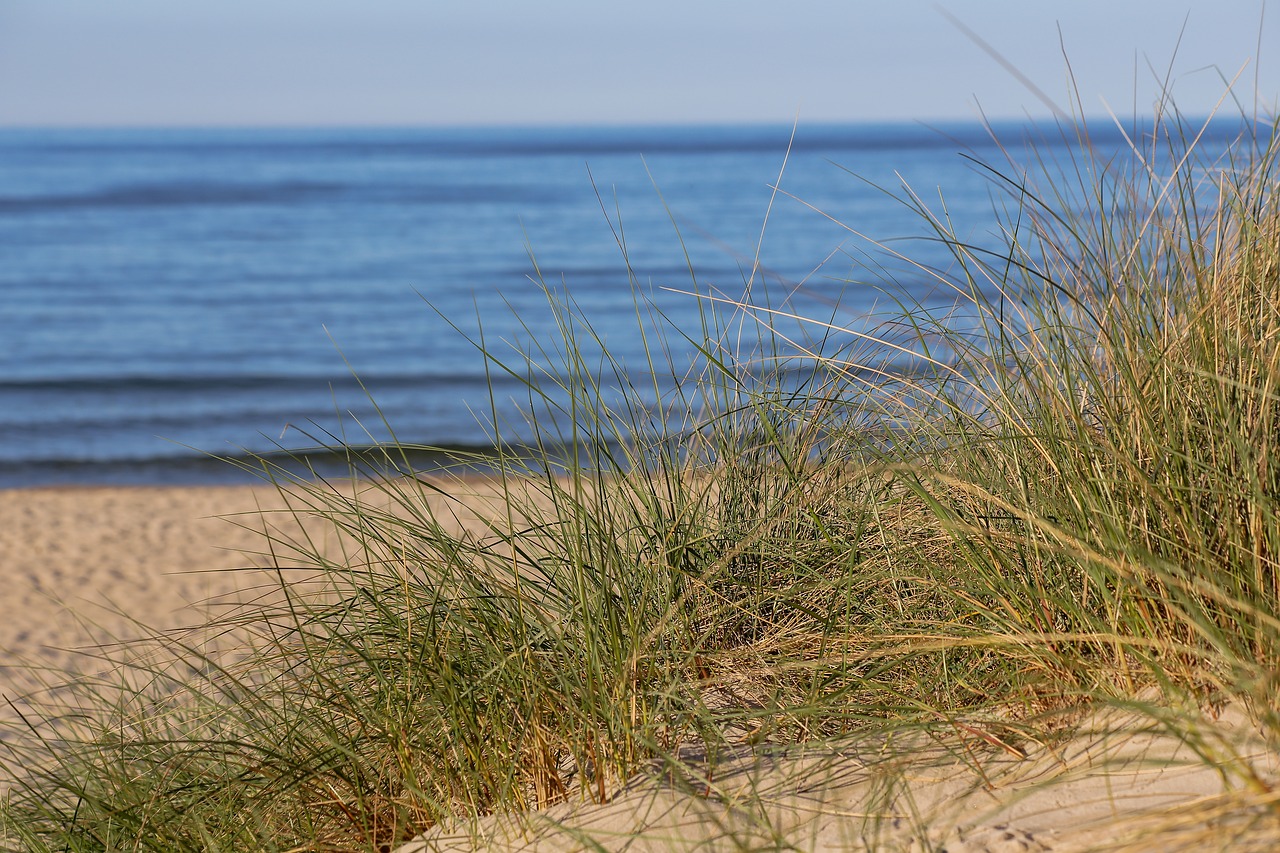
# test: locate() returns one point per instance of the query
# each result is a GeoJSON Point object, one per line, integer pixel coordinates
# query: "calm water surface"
{"type": "Point", "coordinates": [168, 294]}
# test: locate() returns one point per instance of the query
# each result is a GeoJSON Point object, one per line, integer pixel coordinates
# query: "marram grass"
{"type": "Point", "coordinates": [1059, 493]}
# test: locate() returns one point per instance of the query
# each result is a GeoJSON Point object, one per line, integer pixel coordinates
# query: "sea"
{"type": "Point", "coordinates": [173, 302]}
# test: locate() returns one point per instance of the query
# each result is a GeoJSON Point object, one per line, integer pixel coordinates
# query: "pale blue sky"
{"type": "Point", "coordinates": [423, 62]}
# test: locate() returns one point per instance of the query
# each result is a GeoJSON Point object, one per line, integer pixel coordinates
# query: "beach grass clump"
{"type": "Point", "coordinates": [1106, 455]}
{"type": "Point", "coordinates": [623, 600]}
{"type": "Point", "coordinates": [1059, 492]}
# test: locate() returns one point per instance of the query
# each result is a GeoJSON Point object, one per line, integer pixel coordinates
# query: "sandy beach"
{"type": "Point", "coordinates": [84, 565]}
{"type": "Point", "coordinates": [88, 565]}
{"type": "Point", "coordinates": [92, 565]}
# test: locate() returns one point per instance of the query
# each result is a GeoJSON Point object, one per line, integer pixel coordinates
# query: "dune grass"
{"type": "Point", "coordinates": [1059, 493]}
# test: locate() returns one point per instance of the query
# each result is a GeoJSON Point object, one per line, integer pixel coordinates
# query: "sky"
{"type": "Point", "coordinates": [496, 62]}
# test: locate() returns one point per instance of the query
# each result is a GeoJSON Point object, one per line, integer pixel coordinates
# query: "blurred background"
{"type": "Point", "coordinates": [215, 217]}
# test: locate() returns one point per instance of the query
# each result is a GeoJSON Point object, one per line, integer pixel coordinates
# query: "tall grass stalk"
{"type": "Point", "coordinates": [1067, 496]}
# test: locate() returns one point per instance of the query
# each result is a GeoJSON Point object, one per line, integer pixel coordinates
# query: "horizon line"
{"type": "Point", "coordinates": [922, 123]}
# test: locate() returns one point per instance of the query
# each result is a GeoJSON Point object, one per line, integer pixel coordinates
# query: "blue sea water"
{"type": "Point", "coordinates": [172, 294]}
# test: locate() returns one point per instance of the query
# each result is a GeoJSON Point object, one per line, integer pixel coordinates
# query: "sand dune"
{"type": "Point", "coordinates": [88, 564]}
{"type": "Point", "coordinates": [1125, 789]}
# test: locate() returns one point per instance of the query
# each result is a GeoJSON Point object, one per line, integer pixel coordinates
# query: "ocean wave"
{"type": "Point", "coordinates": [211, 384]}
{"type": "Point", "coordinates": [191, 194]}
